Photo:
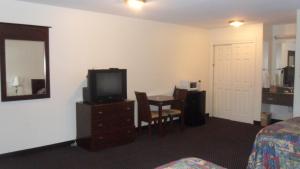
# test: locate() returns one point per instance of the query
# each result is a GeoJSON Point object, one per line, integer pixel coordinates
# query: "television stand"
{"type": "Point", "coordinates": [105, 125]}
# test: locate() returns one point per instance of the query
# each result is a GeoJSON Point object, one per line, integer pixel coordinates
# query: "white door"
{"type": "Point", "coordinates": [233, 81]}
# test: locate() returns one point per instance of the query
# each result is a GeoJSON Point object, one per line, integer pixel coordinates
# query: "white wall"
{"type": "Point", "coordinates": [247, 33]}
{"type": "Point", "coordinates": [296, 112]}
{"type": "Point", "coordinates": [284, 29]}
{"type": "Point", "coordinates": [157, 56]}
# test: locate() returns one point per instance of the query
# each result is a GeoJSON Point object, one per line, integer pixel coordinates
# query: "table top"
{"type": "Point", "coordinates": [160, 98]}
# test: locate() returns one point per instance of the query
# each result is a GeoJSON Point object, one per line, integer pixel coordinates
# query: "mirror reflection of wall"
{"type": "Point", "coordinates": [282, 49]}
{"type": "Point", "coordinates": [279, 53]}
{"type": "Point", "coordinates": [291, 58]}
{"type": "Point", "coordinates": [25, 60]}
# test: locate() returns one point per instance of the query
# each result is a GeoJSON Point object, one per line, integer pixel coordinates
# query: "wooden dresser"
{"type": "Point", "coordinates": [105, 125]}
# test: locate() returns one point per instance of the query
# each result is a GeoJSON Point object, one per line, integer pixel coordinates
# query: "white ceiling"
{"type": "Point", "coordinates": [201, 13]}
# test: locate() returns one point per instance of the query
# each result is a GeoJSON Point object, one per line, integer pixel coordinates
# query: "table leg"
{"type": "Point", "coordinates": [160, 120]}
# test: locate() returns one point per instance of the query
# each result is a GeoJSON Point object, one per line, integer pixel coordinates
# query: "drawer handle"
{"type": "Point", "coordinates": [100, 112]}
{"type": "Point", "coordinates": [100, 125]}
{"type": "Point", "coordinates": [100, 138]}
{"type": "Point", "coordinates": [270, 99]}
{"type": "Point", "coordinates": [128, 108]}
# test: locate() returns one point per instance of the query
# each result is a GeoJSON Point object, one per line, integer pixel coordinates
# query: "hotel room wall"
{"type": "Point", "coordinates": [157, 56]}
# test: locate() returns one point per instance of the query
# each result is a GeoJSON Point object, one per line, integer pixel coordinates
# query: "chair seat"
{"type": "Point", "coordinates": [172, 112]}
{"type": "Point", "coordinates": [155, 114]}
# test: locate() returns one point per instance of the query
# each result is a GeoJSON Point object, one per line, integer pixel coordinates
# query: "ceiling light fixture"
{"type": "Point", "coordinates": [135, 4]}
{"type": "Point", "coordinates": [236, 23]}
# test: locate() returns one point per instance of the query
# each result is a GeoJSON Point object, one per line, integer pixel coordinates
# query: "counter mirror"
{"type": "Point", "coordinates": [284, 62]}
{"type": "Point", "coordinates": [24, 54]}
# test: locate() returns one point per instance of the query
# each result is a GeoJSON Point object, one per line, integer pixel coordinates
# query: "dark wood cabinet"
{"type": "Point", "coordinates": [195, 108]}
{"type": "Point", "coordinates": [105, 125]}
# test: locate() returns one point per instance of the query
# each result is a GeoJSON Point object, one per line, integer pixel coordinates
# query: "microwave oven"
{"type": "Point", "coordinates": [189, 85]}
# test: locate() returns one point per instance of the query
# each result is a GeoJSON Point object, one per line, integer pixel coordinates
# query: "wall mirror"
{"type": "Point", "coordinates": [24, 56]}
{"type": "Point", "coordinates": [284, 53]}
{"type": "Point", "coordinates": [284, 61]}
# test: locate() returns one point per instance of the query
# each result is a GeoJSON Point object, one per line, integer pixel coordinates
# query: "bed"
{"type": "Point", "coordinates": [277, 146]}
{"type": "Point", "coordinates": [190, 163]}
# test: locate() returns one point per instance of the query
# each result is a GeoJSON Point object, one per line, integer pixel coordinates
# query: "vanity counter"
{"type": "Point", "coordinates": [283, 99]}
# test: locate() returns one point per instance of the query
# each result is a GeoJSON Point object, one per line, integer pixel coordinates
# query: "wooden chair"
{"type": "Point", "coordinates": [177, 108]}
{"type": "Point", "coordinates": [145, 114]}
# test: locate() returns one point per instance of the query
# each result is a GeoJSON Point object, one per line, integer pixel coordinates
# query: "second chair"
{"type": "Point", "coordinates": [177, 108]}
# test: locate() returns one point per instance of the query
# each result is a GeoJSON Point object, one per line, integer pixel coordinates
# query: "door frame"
{"type": "Point", "coordinates": [257, 67]}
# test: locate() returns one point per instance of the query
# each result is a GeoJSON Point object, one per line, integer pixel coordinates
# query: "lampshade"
{"type": "Point", "coordinates": [16, 81]}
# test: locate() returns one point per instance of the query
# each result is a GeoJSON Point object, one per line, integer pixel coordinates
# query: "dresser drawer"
{"type": "Point", "coordinates": [102, 112]}
{"type": "Point", "coordinates": [114, 134]}
{"type": "Point", "coordinates": [109, 117]}
{"type": "Point", "coordinates": [102, 140]}
{"type": "Point", "coordinates": [118, 110]}
{"type": "Point", "coordinates": [126, 109]}
{"type": "Point", "coordinates": [103, 125]}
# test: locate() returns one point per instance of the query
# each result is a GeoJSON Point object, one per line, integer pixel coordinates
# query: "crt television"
{"type": "Point", "coordinates": [106, 85]}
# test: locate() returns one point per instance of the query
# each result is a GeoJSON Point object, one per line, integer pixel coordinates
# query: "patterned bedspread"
{"type": "Point", "coordinates": [277, 146]}
{"type": "Point", "coordinates": [190, 163]}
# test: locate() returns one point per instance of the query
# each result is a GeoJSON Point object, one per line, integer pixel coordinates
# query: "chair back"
{"type": "Point", "coordinates": [180, 95]}
{"type": "Point", "coordinates": [144, 112]}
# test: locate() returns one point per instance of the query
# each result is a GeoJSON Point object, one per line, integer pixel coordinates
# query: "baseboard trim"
{"type": "Point", "coordinates": [37, 149]}
{"type": "Point", "coordinates": [256, 123]}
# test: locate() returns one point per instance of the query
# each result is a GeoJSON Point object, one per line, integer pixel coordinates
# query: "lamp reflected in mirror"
{"type": "Point", "coordinates": [16, 84]}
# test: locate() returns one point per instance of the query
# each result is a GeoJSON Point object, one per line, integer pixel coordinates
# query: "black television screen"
{"type": "Point", "coordinates": [105, 85]}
